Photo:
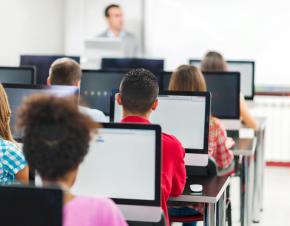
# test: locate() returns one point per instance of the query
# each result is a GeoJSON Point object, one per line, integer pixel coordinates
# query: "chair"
{"type": "Point", "coordinates": [210, 171]}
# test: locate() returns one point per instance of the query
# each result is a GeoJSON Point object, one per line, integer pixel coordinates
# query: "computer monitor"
{"type": "Point", "coordinates": [184, 115]}
{"type": "Point", "coordinates": [17, 93]}
{"type": "Point", "coordinates": [247, 70]}
{"type": "Point", "coordinates": [225, 89]}
{"type": "Point", "coordinates": [115, 168]}
{"type": "Point", "coordinates": [17, 75]}
{"type": "Point", "coordinates": [153, 65]}
{"type": "Point", "coordinates": [96, 87]}
{"type": "Point", "coordinates": [42, 64]}
{"type": "Point", "coordinates": [31, 206]}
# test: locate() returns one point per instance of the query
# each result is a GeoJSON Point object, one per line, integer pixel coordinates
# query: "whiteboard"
{"type": "Point", "coordinates": [242, 29]}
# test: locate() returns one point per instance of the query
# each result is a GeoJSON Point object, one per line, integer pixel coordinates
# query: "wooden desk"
{"type": "Point", "coordinates": [213, 193]}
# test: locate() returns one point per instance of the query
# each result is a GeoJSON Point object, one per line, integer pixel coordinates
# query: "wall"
{"type": "Point", "coordinates": [242, 29]}
{"type": "Point", "coordinates": [30, 26]}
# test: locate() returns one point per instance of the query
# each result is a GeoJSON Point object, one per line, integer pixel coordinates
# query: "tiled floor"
{"type": "Point", "coordinates": [277, 198]}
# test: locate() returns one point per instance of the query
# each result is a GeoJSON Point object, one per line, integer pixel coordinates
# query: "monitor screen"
{"type": "Point", "coordinates": [31, 206]}
{"type": "Point", "coordinates": [225, 89]}
{"type": "Point", "coordinates": [96, 88]}
{"type": "Point", "coordinates": [192, 110]}
{"type": "Point", "coordinates": [103, 173]}
{"type": "Point", "coordinates": [17, 93]}
{"type": "Point", "coordinates": [153, 65]}
{"type": "Point", "coordinates": [247, 70]}
{"type": "Point", "coordinates": [17, 75]}
{"type": "Point", "coordinates": [42, 65]}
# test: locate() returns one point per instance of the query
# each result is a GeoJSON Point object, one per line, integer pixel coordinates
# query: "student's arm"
{"type": "Point", "coordinates": [246, 116]}
{"type": "Point", "coordinates": [23, 175]}
{"type": "Point", "coordinates": [179, 172]}
{"type": "Point", "coordinates": [223, 156]}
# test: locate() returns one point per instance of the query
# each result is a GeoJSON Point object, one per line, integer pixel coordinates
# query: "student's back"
{"type": "Point", "coordinates": [55, 143]}
{"type": "Point", "coordinates": [65, 71]}
{"type": "Point", "coordinates": [138, 97]}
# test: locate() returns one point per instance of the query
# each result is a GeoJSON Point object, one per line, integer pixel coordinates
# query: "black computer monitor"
{"type": "Point", "coordinates": [42, 64]}
{"type": "Point", "coordinates": [153, 65]}
{"type": "Point", "coordinates": [183, 114]}
{"type": "Point", "coordinates": [17, 93]}
{"type": "Point", "coordinates": [96, 87]}
{"type": "Point", "coordinates": [225, 89]}
{"type": "Point", "coordinates": [247, 70]}
{"type": "Point", "coordinates": [136, 189]}
{"type": "Point", "coordinates": [17, 75]}
{"type": "Point", "coordinates": [30, 206]}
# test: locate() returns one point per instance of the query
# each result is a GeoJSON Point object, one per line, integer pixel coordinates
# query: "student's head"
{"type": "Point", "coordinates": [114, 16]}
{"type": "Point", "coordinates": [187, 78]}
{"type": "Point", "coordinates": [56, 137]}
{"type": "Point", "coordinates": [5, 114]}
{"type": "Point", "coordinates": [213, 61]}
{"type": "Point", "coordinates": [65, 71]}
{"type": "Point", "coordinates": [138, 93]}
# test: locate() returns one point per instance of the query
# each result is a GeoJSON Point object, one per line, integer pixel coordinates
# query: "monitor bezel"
{"type": "Point", "coordinates": [157, 187]}
{"type": "Point", "coordinates": [207, 96]}
{"type": "Point", "coordinates": [57, 191]}
{"type": "Point", "coordinates": [29, 68]}
{"type": "Point", "coordinates": [253, 63]}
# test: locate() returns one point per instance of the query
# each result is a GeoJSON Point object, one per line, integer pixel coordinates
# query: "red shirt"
{"type": "Point", "coordinates": [173, 175]}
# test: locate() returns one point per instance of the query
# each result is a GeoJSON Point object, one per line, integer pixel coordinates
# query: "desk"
{"type": "Point", "coordinates": [246, 147]}
{"type": "Point", "coordinates": [259, 167]}
{"type": "Point", "coordinates": [213, 192]}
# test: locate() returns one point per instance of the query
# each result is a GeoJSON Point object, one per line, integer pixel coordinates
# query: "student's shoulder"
{"type": "Point", "coordinates": [94, 114]}
{"type": "Point", "coordinates": [171, 140]}
{"type": "Point", "coordinates": [6, 145]}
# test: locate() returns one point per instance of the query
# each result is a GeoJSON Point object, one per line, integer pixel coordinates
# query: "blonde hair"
{"type": "Point", "coordinates": [187, 78]}
{"type": "Point", "coordinates": [5, 114]}
{"type": "Point", "coordinates": [213, 61]}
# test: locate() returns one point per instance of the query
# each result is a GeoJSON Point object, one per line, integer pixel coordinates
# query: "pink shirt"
{"type": "Point", "coordinates": [86, 211]}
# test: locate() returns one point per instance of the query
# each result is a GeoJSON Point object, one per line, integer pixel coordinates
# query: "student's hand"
{"type": "Point", "coordinates": [230, 142]}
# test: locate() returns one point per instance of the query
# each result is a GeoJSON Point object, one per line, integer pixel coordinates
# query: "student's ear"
{"type": "Point", "coordinates": [48, 81]}
{"type": "Point", "coordinates": [155, 105]}
{"type": "Point", "coordinates": [119, 99]}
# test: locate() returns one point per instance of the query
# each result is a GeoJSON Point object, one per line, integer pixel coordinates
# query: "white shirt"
{"type": "Point", "coordinates": [94, 114]}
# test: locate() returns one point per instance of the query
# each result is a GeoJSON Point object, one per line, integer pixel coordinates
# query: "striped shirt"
{"type": "Point", "coordinates": [11, 161]}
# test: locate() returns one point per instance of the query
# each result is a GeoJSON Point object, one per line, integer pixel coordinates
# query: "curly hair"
{"type": "Point", "coordinates": [56, 135]}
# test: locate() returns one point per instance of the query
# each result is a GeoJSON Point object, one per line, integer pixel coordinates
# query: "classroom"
{"type": "Point", "coordinates": [144, 113]}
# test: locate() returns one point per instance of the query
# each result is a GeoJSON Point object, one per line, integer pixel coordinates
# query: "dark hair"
{"type": "Point", "coordinates": [213, 61]}
{"type": "Point", "coordinates": [110, 7]}
{"type": "Point", "coordinates": [65, 71]}
{"type": "Point", "coordinates": [56, 135]}
{"type": "Point", "coordinates": [139, 89]}
{"type": "Point", "coordinates": [187, 78]}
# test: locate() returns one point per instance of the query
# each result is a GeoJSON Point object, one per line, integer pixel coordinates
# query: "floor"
{"type": "Point", "coordinates": [277, 198]}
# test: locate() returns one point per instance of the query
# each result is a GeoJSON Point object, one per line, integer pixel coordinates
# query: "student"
{"type": "Point", "coordinates": [12, 162]}
{"type": "Point", "coordinates": [56, 141]}
{"type": "Point", "coordinates": [190, 78]}
{"type": "Point", "coordinates": [66, 71]}
{"type": "Point", "coordinates": [138, 96]}
{"type": "Point", "coordinates": [214, 61]}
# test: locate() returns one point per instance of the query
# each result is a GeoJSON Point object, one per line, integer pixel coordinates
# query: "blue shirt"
{"type": "Point", "coordinates": [11, 161]}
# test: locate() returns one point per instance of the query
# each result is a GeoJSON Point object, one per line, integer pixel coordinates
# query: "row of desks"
{"type": "Point", "coordinates": [251, 150]}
